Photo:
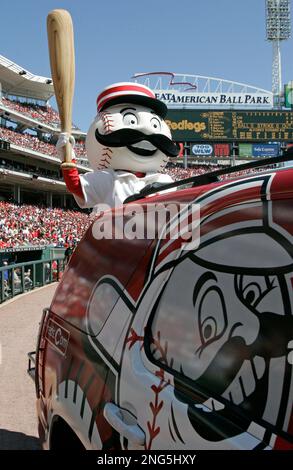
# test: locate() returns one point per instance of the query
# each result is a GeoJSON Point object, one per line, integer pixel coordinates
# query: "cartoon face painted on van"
{"type": "Point", "coordinates": [236, 326]}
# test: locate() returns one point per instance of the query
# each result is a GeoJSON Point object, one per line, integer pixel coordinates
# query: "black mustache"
{"type": "Point", "coordinates": [126, 137]}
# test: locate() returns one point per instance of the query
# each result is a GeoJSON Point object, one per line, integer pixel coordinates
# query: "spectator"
{"type": "Point", "coordinates": [6, 272]}
{"type": "Point", "coordinates": [68, 252]}
{"type": "Point", "coordinates": [55, 270]}
{"type": "Point", "coordinates": [16, 279]}
{"type": "Point", "coordinates": [27, 279]}
{"type": "Point", "coordinates": [47, 268]}
{"type": "Point", "coordinates": [6, 280]}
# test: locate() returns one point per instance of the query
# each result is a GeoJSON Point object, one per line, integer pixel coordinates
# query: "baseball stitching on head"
{"type": "Point", "coordinates": [106, 158]}
{"type": "Point", "coordinates": [108, 125]}
{"type": "Point", "coordinates": [107, 121]}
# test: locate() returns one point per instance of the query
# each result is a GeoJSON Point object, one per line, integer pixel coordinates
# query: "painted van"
{"type": "Point", "coordinates": [154, 344]}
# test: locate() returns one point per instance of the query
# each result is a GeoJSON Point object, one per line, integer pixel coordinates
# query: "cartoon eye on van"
{"type": "Point", "coordinates": [154, 344]}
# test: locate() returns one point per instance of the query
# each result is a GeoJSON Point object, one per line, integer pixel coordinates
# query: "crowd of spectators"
{"type": "Point", "coordinates": [27, 140]}
{"type": "Point", "coordinates": [178, 172]}
{"type": "Point", "coordinates": [27, 225]}
{"type": "Point", "coordinates": [45, 114]}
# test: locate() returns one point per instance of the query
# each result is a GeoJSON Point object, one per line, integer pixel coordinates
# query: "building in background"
{"type": "Point", "coordinates": [29, 127]}
{"type": "Point", "coordinates": [220, 121]}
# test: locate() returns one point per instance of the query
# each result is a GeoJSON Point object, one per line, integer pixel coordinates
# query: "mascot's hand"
{"type": "Point", "coordinates": [64, 138]}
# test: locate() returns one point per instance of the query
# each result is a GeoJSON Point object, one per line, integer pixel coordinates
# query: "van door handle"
{"type": "Point", "coordinates": [113, 414]}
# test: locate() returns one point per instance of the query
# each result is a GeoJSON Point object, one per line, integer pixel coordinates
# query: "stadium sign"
{"type": "Point", "coordinates": [265, 150]}
{"type": "Point", "coordinates": [288, 95]}
{"type": "Point", "coordinates": [222, 150]}
{"type": "Point", "coordinates": [259, 150]}
{"type": "Point", "coordinates": [196, 99]}
{"type": "Point", "coordinates": [245, 150]}
{"type": "Point", "coordinates": [202, 149]}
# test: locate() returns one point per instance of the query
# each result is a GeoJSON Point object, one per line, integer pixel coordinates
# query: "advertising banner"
{"type": "Point", "coordinates": [245, 150]}
{"type": "Point", "coordinates": [288, 93]}
{"type": "Point", "coordinates": [222, 150]}
{"type": "Point", "coordinates": [265, 150]}
{"type": "Point", "coordinates": [22, 248]}
{"type": "Point", "coordinates": [205, 150]}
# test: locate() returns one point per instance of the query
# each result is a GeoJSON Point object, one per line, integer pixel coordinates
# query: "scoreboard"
{"type": "Point", "coordinates": [203, 125]}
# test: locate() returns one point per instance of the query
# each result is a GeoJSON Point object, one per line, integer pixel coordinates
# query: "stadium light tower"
{"type": "Point", "coordinates": [278, 28]}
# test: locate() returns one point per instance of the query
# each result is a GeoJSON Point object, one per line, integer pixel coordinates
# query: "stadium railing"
{"type": "Point", "coordinates": [23, 277]}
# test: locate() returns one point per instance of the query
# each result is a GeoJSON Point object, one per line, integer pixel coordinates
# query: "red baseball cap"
{"type": "Point", "coordinates": [130, 92]}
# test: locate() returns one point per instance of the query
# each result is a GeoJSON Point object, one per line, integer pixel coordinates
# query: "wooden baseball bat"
{"type": "Point", "coordinates": [61, 50]}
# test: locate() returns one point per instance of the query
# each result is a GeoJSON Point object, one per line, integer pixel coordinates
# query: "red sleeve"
{"type": "Point", "coordinates": [72, 181]}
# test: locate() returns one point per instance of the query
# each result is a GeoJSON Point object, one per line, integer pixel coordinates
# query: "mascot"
{"type": "Point", "coordinates": [128, 146]}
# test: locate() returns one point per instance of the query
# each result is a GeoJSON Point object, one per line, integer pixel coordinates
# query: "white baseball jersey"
{"type": "Point", "coordinates": [113, 187]}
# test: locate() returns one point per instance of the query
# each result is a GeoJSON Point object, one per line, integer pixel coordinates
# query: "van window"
{"type": "Point", "coordinates": [101, 304]}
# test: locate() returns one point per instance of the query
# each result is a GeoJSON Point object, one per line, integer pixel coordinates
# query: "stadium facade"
{"type": "Point", "coordinates": [218, 122]}
{"type": "Point", "coordinates": [29, 128]}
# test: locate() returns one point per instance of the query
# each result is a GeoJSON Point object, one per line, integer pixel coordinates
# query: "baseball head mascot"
{"type": "Point", "coordinates": [128, 146]}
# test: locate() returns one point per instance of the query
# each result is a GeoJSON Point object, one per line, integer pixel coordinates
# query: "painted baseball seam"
{"type": "Point", "coordinates": [155, 405]}
{"type": "Point", "coordinates": [106, 160]}
{"type": "Point", "coordinates": [107, 121]}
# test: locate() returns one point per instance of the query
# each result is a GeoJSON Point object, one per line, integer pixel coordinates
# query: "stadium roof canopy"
{"type": "Point", "coordinates": [17, 81]}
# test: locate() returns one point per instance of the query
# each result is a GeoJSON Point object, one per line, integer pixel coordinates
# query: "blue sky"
{"type": "Point", "coordinates": [114, 39]}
